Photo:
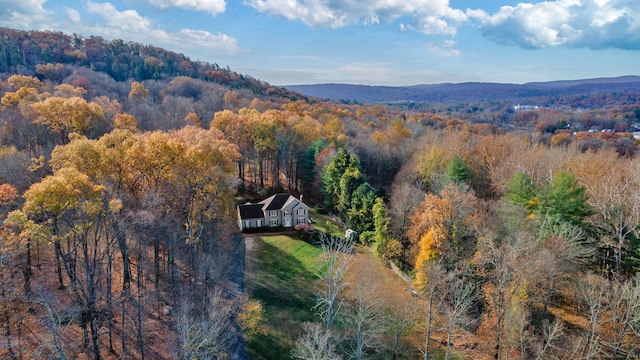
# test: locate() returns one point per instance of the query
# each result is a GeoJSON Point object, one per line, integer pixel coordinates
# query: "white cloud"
{"type": "Point", "coordinates": [595, 24]}
{"type": "Point", "coordinates": [361, 73]}
{"type": "Point", "coordinates": [213, 7]}
{"type": "Point", "coordinates": [130, 25]}
{"type": "Point", "coordinates": [299, 57]}
{"type": "Point", "coordinates": [364, 74]}
{"type": "Point", "coordinates": [127, 21]}
{"type": "Point", "coordinates": [23, 14]}
{"type": "Point", "coordinates": [446, 49]}
{"type": "Point", "coordinates": [192, 39]}
{"type": "Point", "coordinates": [73, 15]}
{"type": "Point", "coordinates": [427, 16]}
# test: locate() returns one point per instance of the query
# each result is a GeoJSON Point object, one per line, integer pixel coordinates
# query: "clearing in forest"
{"type": "Point", "coordinates": [281, 273]}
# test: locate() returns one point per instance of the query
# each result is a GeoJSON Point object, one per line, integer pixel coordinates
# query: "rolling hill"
{"type": "Point", "coordinates": [468, 92]}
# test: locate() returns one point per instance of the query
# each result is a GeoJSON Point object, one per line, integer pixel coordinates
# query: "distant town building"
{"type": "Point", "coordinates": [525, 107]}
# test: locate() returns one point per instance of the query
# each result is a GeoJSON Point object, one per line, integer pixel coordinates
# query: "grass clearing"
{"type": "Point", "coordinates": [281, 274]}
{"type": "Point", "coordinates": [326, 224]}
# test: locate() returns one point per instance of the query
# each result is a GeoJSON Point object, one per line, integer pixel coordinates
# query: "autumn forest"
{"type": "Point", "coordinates": [121, 166]}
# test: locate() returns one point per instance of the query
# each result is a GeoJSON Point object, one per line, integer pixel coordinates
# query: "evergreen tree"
{"type": "Point", "coordinates": [458, 170]}
{"type": "Point", "coordinates": [332, 175]}
{"type": "Point", "coordinates": [522, 191]}
{"type": "Point", "coordinates": [380, 224]}
{"type": "Point", "coordinates": [360, 216]}
{"type": "Point", "coordinates": [307, 167]}
{"type": "Point", "coordinates": [564, 199]}
{"type": "Point", "coordinates": [349, 182]}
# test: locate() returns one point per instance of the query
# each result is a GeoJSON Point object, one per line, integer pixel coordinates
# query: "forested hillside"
{"type": "Point", "coordinates": [118, 185]}
{"type": "Point", "coordinates": [585, 93]}
{"type": "Point", "coordinates": [22, 51]}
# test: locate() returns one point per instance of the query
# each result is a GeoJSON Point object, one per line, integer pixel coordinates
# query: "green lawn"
{"type": "Point", "coordinates": [325, 224]}
{"type": "Point", "coordinates": [281, 274]}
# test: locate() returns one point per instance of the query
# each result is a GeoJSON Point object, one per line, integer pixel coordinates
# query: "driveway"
{"type": "Point", "coordinates": [235, 290]}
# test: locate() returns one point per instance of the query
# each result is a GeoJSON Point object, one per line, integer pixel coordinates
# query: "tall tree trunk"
{"type": "Point", "coordinates": [126, 296]}
{"type": "Point", "coordinates": [109, 298]}
{"type": "Point", "coordinates": [449, 333]}
{"type": "Point", "coordinates": [156, 262]}
{"type": "Point", "coordinates": [124, 252]}
{"type": "Point", "coordinates": [7, 316]}
{"type": "Point", "coordinates": [58, 251]}
{"type": "Point", "coordinates": [27, 268]}
{"type": "Point", "coordinates": [261, 172]}
{"type": "Point", "coordinates": [498, 346]}
{"type": "Point", "coordinates": [91, 269]}
{"type": "Point", "coordinates": [95, 336]}
{"type": "Point", "coordinates": [429, 322]}
{"type": "Point", "coordinates": [139, 304]}
{"type": "Point", "coordinates": [85, 330]}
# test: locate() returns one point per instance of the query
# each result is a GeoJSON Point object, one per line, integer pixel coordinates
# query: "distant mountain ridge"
{"type": "Point", "coordinates": [468, 91]}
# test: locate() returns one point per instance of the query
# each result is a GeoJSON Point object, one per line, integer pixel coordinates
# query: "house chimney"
{"type": "Point", "coordinates": [300, 197]}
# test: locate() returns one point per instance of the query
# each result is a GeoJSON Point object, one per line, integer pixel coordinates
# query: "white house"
{"type": "Point", "coordinates": [277, 210]}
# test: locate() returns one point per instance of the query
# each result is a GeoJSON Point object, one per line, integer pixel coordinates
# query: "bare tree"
{"type": "Point", "coordinates": [551, 333]}
{"type": "Point", "coordinates": [562, 249]}
{"type": "Point", "coordinates": [363, 318]}
{"type": "Point", "coordinates": [611, 184]}
{"type": "Point", "coordinates": [402, 201]}
{"type": "Point", "coordinates": [337, 256]}
{"type": "Point", "coordinates": [592, 291]}
{"type": "Point", "coordinates": [315, 344]}
{"type": "Point", "coordinates": [459, 298]}
{"type": "Point", "coordinates": [203, 334]}
{"type": "Point", "coordinates": [57, 321]}
{"type": "Point", "coordinates": [401, 315]}
{"type": "Point", "coordinates": [504, 267]}
{"type": "Point", "coordinates": [624, 316]}
{"type": "Point", "coordinates": [434, 275]}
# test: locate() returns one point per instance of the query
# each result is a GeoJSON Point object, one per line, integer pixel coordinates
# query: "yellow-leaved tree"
{"type": "Point", "coordinates": [67, 115]}
{"type": "Point", "coordinates": [443, 226]}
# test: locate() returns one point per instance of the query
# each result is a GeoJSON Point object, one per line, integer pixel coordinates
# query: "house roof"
{"type": "Point", "coordinates": [276, 202]}
{"type": "Point", "coordinates": [251, 211]}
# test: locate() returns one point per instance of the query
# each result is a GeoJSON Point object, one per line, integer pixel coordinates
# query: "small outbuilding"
{"type": "Point", "coordinates": [350, 234]}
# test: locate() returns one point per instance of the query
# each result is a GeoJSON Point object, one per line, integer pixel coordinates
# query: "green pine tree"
{"type": "Point", "coordinates": [458, 171]}
{"type": "Point", "coordinates": [522, 191]}
{"type": "Point", "coordinates": [564, 199]}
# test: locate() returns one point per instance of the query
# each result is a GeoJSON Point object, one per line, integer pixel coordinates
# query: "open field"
{"type": "Point", "coordinates": [280, 273]}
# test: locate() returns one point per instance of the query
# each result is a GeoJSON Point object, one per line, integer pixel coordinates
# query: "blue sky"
{"type": "Point", "coordinates": [374, 42]}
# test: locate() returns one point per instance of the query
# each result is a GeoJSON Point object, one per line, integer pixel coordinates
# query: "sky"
{"type": "Point", "coordinates": [374, 42]}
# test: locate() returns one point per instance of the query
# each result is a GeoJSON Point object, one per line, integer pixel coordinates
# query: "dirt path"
{"type": "Point", "coordinates": [249, 242]}
{"type": "Point", "coordinates": [250, 247]}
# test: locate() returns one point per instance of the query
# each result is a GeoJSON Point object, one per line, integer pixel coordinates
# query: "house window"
{"type": "Point", "coordinates": [301, 211]}
{"type": "Point", "coordinates": [273, 222]}
{"type": "Point", "coordinates": [273, 212]}
{"type": "Point", "coordinates": [259, 223]}
{"type": "Point", "coordinates": [300, 221]}
{"type": "Point", "coordinates": [247, 224]}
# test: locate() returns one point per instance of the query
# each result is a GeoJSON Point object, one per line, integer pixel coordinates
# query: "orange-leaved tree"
{"type": "Point", "coordinates": [444, 225]}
